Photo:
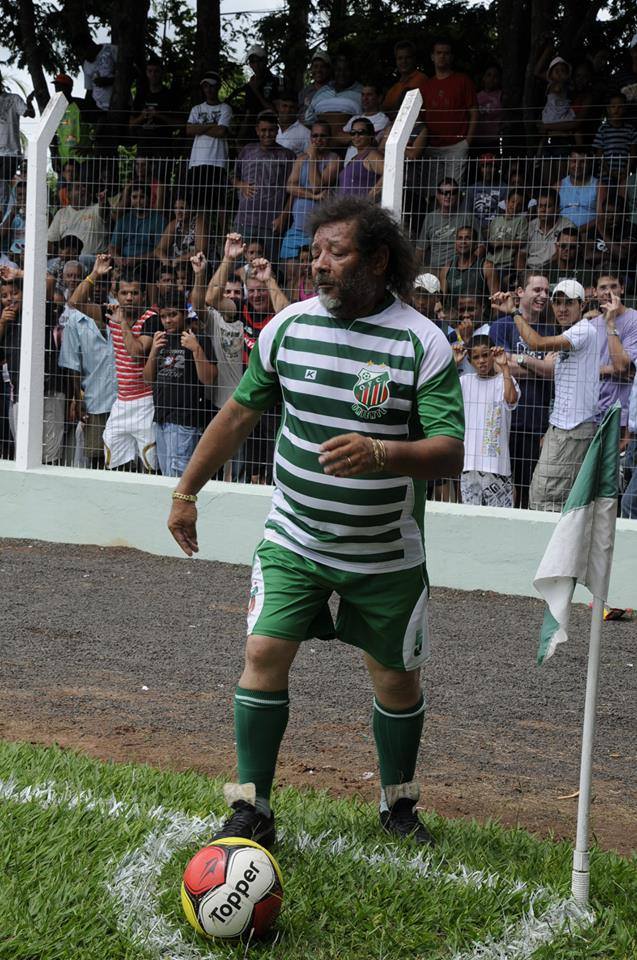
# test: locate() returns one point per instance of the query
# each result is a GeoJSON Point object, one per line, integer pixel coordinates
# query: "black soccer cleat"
{"type": "Point", "coordinates": [402, 821]}
{"type": "Point", "coordinates": [247, 822]}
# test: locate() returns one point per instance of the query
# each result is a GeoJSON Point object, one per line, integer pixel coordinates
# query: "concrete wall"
{"type": "Point", "coordinates": [469, 548]}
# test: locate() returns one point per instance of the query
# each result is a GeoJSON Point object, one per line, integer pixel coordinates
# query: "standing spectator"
{"type": "Point", "coordinates": [544, 230]}
{"type": "Point", "coordinates": [584, 103]}
{"type": "Point", "coordinates": [487, 195]}
{"type": "Point", "coordinates": [611, 241]}
{"type": "Point", "coordinates": [259, 92]}
{"type": "Point", "coordinates": [362, 177]}
{"type": "Point", "coordinates": [129, 433]}
{"type": "Point", "coordinates": [155, 114]}
{"type": "Point", "coordinates": [370, 109]}
{"type": "Point", "coordinates": [559, 123]}
{"type": "Point", "coordinates": [625, 80]}
{"type": "Point", "coordinates": [618, 345]}
{"type": "Point", "coordinates": [262, 171]}
{"type": "Point", "coordinates": [99, 64]}
{"type": "Point", "coordinates": [508, 235]}
{"type": "Point", "coordinates": [467, 272]}
{"type": "Point", "coordinates": [575, 352]}
{"type": "Point", "coordinates": [451, 116]}
{"type": "Point", "coordinates": [72, 134]}
{"type": "Point", "coordinates": [488, 135]}
{"type": "Point", "coordinates": [320, 73]}
{"type": "Point", "coordinates": [409, 77]}
{"type": "Point", "coordinates": [531, 370]}
{"type": "Point", "coordinates": [87, 357]}
{"type": "Point", "coordinates": [337, 101]}
{"type": "Point", "coordinates": [292, 133]}
{"type": "Point", "coordinates": [490, 395]}
{"type": "Point", "coordinates": [12, 107]}
{"type": "Point", "coordinates": [136, 234]}
{"type": "Point", "coordinates": [568, 260]}
{"type": "Point", "coordinates": [313, 174]}
{"type": "Point", "coordinates": [184, 235]}
{"type": "Point", "coordinates": [427, 295]}
{"type": "Point", "coordinates": [437, 239]}
{"type": "Point", "coordinates": [208, 124]}
{"type": "Point", "coordinates": [629, 498]}
{"type": "Point", "coordinates": [616, 141]}
{"type": "Point", "coordinates": [180, 364]}
{"type": "Point", "coordinates": [578, 191]}
{"type": "Point", "coordinates": [88, 221]}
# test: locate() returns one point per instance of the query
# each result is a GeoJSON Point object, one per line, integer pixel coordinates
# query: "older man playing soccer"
{"type": "Point", "coordinates": [372, 410]}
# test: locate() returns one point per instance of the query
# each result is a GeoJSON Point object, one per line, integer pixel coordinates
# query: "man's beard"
{"type": "Point", "coordinates": [351, 291]}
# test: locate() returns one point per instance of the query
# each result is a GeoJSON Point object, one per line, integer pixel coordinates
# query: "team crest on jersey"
{"type": "Point", "coordinates": [371, 391]}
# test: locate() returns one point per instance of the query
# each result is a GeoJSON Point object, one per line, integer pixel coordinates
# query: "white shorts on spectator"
{"type": "Point", "coordinates": [130, 433]}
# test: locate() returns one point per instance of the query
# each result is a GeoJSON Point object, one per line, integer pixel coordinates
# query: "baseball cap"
{"type": "Point", "coordinates": [210, 77]}
{"type": "Point", "coordinates": [322, 55]}
{"type": "Point", "coordinates": [571, 289]}
{"type": "Point", "coordinates": [256, 51]}
{"type": "Point", "coordinates": [63, 78]}
{"type": "Point", "coordinates": [428, 282]}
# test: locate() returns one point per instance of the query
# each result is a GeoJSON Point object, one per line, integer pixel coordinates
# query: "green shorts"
{"type": "Point", "coordinates": [384, 614]}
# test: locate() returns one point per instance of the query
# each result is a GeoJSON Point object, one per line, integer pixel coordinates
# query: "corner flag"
{"type": "Point", "coordinates": [581, 548]}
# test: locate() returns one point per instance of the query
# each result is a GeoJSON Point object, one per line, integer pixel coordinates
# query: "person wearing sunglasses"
{"type": "Point", "coordinates": [363, 176]}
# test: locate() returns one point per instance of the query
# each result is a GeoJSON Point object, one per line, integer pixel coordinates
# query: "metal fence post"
{"type": "Point", "coordinates": [31, 390]}
{"type": "Point", "coordinates": [394, 170]}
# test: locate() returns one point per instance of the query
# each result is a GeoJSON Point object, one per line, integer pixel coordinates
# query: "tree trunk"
{"type": "Point", "coordinates": [129, 20]}
{"type": "Point", "coordinates": [540, 21]}
{"type": "Point", "coordinates": [338, 19]}
{"type": "Point", "coordinates": [513, 51]}
{"type": "Point", "coordinates": [207, 40]}
{"type": "Point", "coordinates": [26, 21]}
{"type": "Point", "coordinates": [296, 52]}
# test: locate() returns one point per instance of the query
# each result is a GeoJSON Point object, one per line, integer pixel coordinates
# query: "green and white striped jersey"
{"type": "Point", "coordinates": [390, 375]}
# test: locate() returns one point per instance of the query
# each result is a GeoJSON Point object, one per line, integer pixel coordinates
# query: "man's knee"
{"type": "Point", "coordinates": [267, 662]}
{"type": "Point", "coordinates": [396, 689]}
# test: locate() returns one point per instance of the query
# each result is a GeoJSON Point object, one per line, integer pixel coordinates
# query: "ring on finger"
{"type": "Point", "coordinates": [349, 461]}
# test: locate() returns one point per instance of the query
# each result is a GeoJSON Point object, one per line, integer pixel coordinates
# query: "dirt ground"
{"type": "Point", "coordinates": [133, 657]}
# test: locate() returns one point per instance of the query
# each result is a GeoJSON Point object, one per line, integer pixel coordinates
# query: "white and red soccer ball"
{"type": "Point", "coordinates": [231, 888]}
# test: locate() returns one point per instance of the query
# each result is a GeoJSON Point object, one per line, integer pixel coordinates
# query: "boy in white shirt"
{"type": "Point", "coordinates": [576, 373]}
{"type": "Point", "coordinates": [490, 395]}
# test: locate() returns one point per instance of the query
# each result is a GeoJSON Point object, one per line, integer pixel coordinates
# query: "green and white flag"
{"type": "Point", "coordinates": [581, 548]}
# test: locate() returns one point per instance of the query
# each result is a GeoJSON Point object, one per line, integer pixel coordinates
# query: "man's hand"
{"type": "Point", "coordinates": [77, 411]}
{"type": "Point", "coordinates": [278, 223]}
{"type": "Point", "coordinates": [234, 246]}
{"type": "Point", "coordinates": [504, 301]}
{"type": "Point", "coordinates": [611, 308]}
{"type": "Point", "coordinates": [459, 352]}
{"type": "Point", "coordinates": [198, 262]}
{"type": "Point", "coordinates": [348, 455]}
{"type": "Point", "coordinates": [188, 340]}
{"type": "Point", "coordinates": [159, 340]}
{"type": "Point", "coordinates": [465, 329]}
{"type": "Point", "coordinates": [10, 273]}
{"type": "Point", "coordinates": [117, 315]}
{"type": "Point", "coordinates": [103, 264]}
{"type": "Point", "coordinates": [247, 190]}
{"type": "Point", "coordinates": [261, 269]}
{"type": "Point", "coordinates": [500, 358]}
{"type": "Point", "coordinates": [182, 523]}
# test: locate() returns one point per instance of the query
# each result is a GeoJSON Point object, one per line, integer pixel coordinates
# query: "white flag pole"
{"type": "Point", "coordinates": [580, 881]}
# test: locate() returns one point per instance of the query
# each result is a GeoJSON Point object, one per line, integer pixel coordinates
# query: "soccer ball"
{"type": "Point", "coordinates": [232, 887]}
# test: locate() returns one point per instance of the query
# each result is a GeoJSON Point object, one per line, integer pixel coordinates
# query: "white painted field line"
{"type": "Point", "coordinates": [136, 876]}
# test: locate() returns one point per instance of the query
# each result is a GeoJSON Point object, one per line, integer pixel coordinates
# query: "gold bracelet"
{"type": "Point", "coordinates": [187, 497]}
{"type": "Point", "coordinates": [90, 280]}
{"type": "Point", "coordinates": [380, 454]}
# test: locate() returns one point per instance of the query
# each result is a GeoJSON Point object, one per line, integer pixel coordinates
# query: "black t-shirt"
{"type": "Point", "coordinates": [179, 395]}
{"type": "Point", "coordinates": [154, 134]}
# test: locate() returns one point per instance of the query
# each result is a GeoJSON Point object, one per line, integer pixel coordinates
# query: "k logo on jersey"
{"type": "Point", "coordinates": [371, 391]}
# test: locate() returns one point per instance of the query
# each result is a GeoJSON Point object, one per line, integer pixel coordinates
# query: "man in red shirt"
{"type": "Point", "coordinates": [451, 116]}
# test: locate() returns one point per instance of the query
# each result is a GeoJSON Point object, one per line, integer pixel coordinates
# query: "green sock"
{"type": "Point", "coordinates": [397, 734]}
{"type": "Point", "coordinates": [260, 719]}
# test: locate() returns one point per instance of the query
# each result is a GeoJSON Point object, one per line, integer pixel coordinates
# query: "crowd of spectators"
{"type": "Point", "coordinates": [174, 236]}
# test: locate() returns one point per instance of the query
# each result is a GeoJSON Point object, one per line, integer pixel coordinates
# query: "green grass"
{"type": "Point", "coordinates": [73, 884]}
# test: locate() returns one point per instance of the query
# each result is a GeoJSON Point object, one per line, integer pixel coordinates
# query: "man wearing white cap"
{"type": "Point", "coordinates": [576, 374]}
{"type": "Point", "coordinates": [427, 296]}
